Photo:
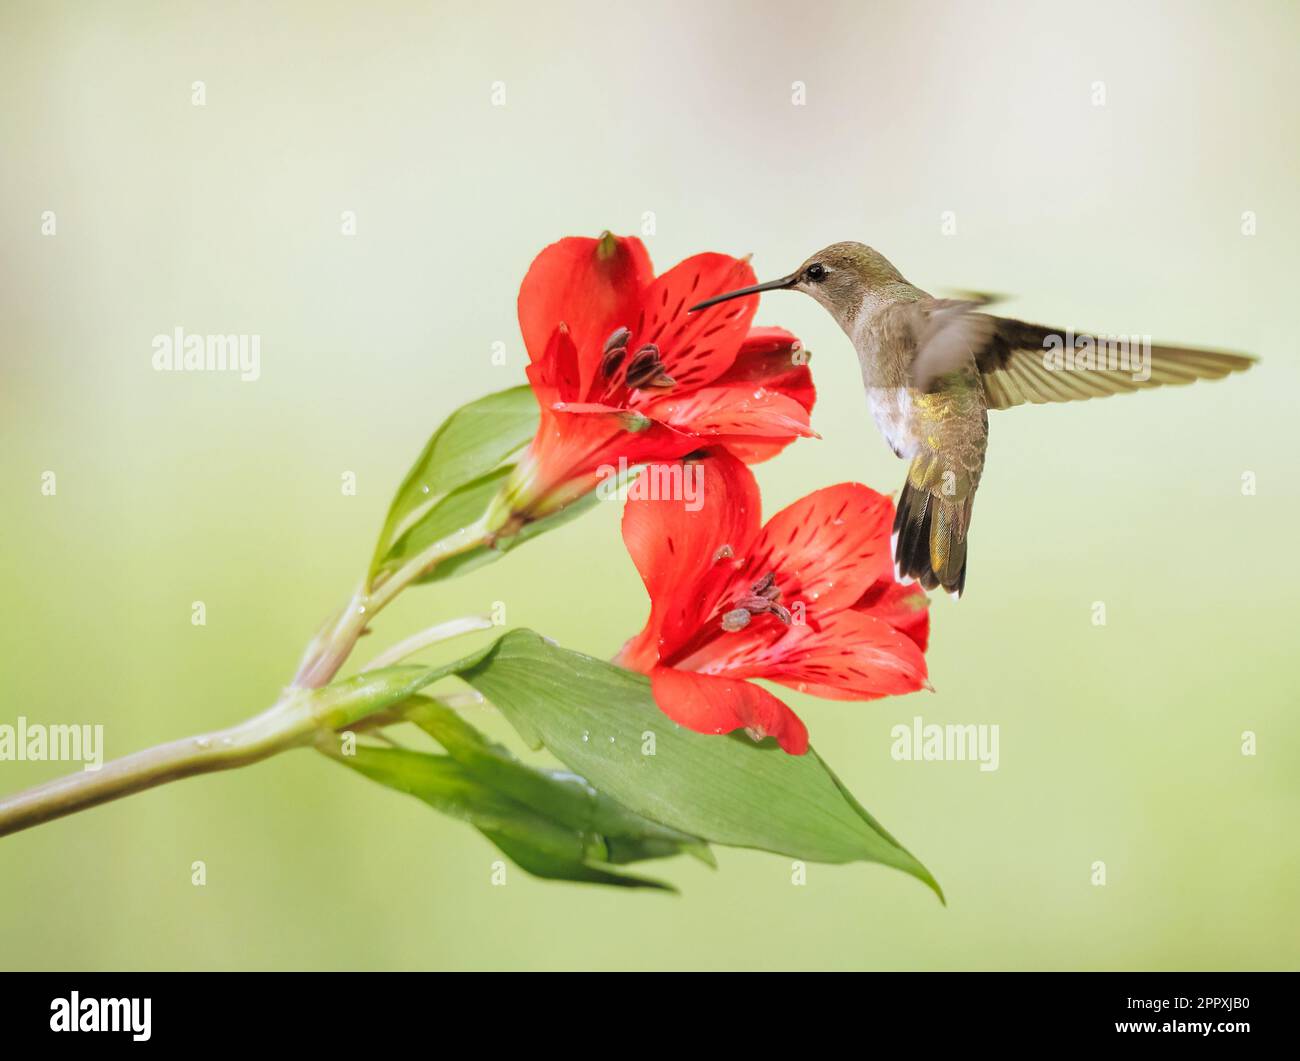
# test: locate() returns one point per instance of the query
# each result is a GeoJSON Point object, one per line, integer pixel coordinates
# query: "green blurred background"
{"type": "Point", "coordinates": [1119, 743]}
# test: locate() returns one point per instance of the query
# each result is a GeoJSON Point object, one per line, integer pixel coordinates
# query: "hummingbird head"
{"type": "Point", "coordinates": [841, 277]}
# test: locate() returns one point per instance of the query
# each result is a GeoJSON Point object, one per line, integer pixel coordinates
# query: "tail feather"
{"type": "Point", "coordinates": [930, 539]}
{"type": "Point", "coordinates": [911, 531]}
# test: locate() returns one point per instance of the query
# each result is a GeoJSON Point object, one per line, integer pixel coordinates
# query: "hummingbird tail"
{"type": "Point", "coordinates": [930, 538]}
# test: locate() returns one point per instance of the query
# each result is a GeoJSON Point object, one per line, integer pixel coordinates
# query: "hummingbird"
{"type": "Point", "coordinates": [933, 367]}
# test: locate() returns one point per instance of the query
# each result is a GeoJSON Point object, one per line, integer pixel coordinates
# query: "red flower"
{"type": "Point", "coordinates": [809, 600]}
{"type": "Point", "coordinates": [622, 370]}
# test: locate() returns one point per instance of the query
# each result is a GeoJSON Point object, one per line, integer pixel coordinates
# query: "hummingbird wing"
{"type": "Point", "coordinates": [946, 334]}
{"type": "Point", "coordinates": [963, 361]}
{"type": "Point", "coordinates": [1022, 362]}
{"type": "Point", "coordinates": [1036, 364]}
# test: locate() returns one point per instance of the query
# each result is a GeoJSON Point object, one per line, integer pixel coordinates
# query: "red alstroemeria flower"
{"type": "Point", "coordinates": [808, 600]}
{"type": "Point", "coordinates": [624, 373]}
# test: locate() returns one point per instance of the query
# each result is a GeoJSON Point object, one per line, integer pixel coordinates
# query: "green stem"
{"type": "Point", "coordinates": [288, 724]}
{"type": "Point", "coordinates": [292, 722]}
{"type": "Point", "coordinates": [432, 636]}
{"type": "Point", "coordinates": [330, 650]}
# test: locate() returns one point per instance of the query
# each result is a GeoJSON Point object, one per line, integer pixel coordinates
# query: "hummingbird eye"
{"type": "Point", "coordinates": [816, 272]}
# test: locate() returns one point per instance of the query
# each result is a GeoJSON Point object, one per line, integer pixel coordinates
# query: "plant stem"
{"type": "Point", "coordinates": [288, 724]}
{"type": "Point", "coordinates": [432, 636]}
{"type": "Point", "coordinates": [330, 651]}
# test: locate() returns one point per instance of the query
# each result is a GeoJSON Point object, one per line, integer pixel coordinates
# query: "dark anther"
{"type": "Point", "coordinates": [647, 370]}
{"type": "Point", "coordinates": [610, 362]}
{"type": "Point", "coordinates": [614, 352]}
{"type": "Point", "coordinates": [725, 552]}
{"type": "Point", "coordinates": [617, 340]}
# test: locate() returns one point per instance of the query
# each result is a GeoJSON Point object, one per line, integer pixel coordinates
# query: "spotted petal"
{"type": "Point", "coordinates": [696, 348]}
{"type": "Point", "coordinates": [755, 413]}
{"type": "Point", "coordinates": [826, 549]}
{"type": "Point", "coordinates": [775, 359]}
{"type": "Point", "coordinates": [686, 551]}
{"type": "Point", "coordinates": [852, 656]}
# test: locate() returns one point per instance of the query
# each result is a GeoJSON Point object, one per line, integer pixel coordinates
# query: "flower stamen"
{"type": "Point", "coordinates": [614, 351]}
{"type": "Point", "coordinates": [763, 597]}
{"type": "Point", "coordinates": [736, 619]}
{"type": "Point", "coordinates": [646, 369]}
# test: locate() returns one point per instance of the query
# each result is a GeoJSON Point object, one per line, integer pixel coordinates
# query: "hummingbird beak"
{"type": "Point", "coordinates": [771, 285]}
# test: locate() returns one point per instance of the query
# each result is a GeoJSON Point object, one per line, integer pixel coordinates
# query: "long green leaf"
{"type": "Point", "coordinates": [473, 441]}
{"type": "Point", "coordinates": [562, 796]}
{"type": "Point", "coordinates": [601, 721]}
{"type": "Point", "coordinates": [455, 481]}
{"type": "Point", "coordinates": [537, 843]}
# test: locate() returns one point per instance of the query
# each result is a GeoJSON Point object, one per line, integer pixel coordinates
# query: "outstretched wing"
{"type": "Point", "coordinates": [1032, 363]}
{"type": "Point", "coordinates": [1020, 362]}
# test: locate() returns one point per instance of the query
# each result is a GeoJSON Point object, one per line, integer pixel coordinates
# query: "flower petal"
{"type": "Point", "coordinates": [678, 545]}
{"type": "Point", "coordinates": [696, 348]}
{"type": "Point", "coordinates": [852, 656]}
{"type": "Point", "coordinates": [592, 285]}
{"type": "Point", "coordinates": [719, 705]}
{"type": "Point", "coordinates": [771, 358]}
{"type": "Point", "coordinates": [905, 608]}
{"type": "Point", "coordinates": [578, 446]}
{"type": "Point", "coordinates": [554, 375]}
{"type": "Point", "coordinates": [776, 359]}
{"type": "Point", "coordinates": [754, 451]}
{"type": "Point", "coordinates": [753, 413]}
{"type": "Point", "coordinates": [826, 549]}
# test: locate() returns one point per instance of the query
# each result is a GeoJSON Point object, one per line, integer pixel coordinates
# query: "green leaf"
{"type": "Point", "coordinates": [538, 842]}
{"type": "Point", "coordinates": [349, 700]}
{"type": "Point", "coordinates": [562, 796]}
{"type": "Point", "coordinates": [595, 717]}
{"type": "Point", "coordinates": [460, 508]}
{"type": "Point", "coordinates": [455, 481]}
{"type": "Point", "coordinates": [625, 806]}
{"type": "Point", "coordinates": [473, 441]}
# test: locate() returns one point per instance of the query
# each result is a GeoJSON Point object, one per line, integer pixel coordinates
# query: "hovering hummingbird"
{"type": "Point", "coordinates": [933, 367]}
